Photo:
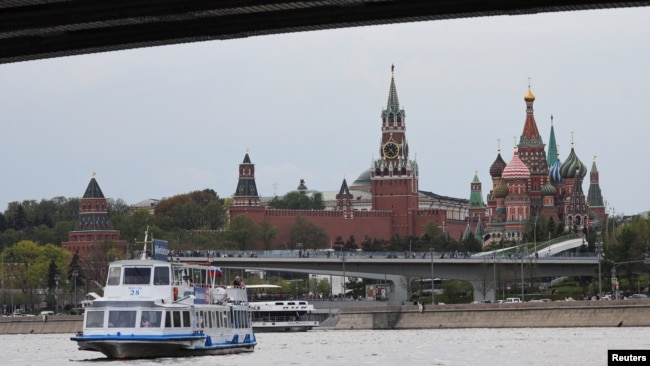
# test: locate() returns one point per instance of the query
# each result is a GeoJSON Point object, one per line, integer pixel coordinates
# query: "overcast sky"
{"type": "Point", "coordinates": [157, 122]}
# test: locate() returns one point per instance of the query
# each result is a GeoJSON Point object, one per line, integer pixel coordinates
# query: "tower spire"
{"type": "Point", "coordinates": [552, 147]}
{"type": "Point", "coordinates": [393, 100]}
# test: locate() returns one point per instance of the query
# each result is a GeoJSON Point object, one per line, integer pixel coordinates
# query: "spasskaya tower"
{"type": "Point", "coordinates": [394, 178]}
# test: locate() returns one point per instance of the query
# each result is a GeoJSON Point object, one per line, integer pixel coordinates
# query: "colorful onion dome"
{"type": "Point", "coordinates": [501, 190]}
{"type": "Point", "coordinates": [573, 167]}
{"type": "Point", "coordinates": [516, 169]}
{"type": "Point", "coordinates": [554, 172]}
{"type": "Point", "coordinates": [497, 167]}
{"type": "Point", "coordinates": [548, 189]}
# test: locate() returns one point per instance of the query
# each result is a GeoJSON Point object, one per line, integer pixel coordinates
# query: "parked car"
{"type": "Point", "coordinates": [18, 312]}
{"type": "Point", "coordinates": [512, 300]}
{"type": "Point", "coordinates": [639, 297]}
{"type": "Point", "coordinates": [46, 313]}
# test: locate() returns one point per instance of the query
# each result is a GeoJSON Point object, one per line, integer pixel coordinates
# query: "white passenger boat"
{"type": "Point", "coordinates": [154, 308]}
{"type": "Point", "coordinates": [280, 315]}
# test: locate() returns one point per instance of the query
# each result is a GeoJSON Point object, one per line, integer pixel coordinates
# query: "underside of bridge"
{"type": "Point", "coordinates": [37, 29]}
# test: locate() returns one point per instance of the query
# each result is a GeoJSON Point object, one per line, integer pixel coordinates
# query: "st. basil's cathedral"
{"type": "Point", "coordinates": [535, 183]}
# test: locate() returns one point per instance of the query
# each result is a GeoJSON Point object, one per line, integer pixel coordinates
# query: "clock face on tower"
{"type": "Point", "coordinates": [390, 150]}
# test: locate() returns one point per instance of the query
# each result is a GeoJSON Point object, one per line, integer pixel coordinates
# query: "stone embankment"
{"type": "Point", "coordinates": [628, 313]}
{"type": "Point", "coordinates": [70, 324]}
{"type": "Point", "coordinates": [523, 315]}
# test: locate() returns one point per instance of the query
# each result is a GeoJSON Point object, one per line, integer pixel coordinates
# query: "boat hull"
{"type": "Point", "coordinates": [135, 347]}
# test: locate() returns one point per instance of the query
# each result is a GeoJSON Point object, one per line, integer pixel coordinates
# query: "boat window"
{"type": "Point", "coordinates": [113, 276]}
{"type": "Point", "coordinates": [94, 319]}
{"type": "Point", "coordinates": [177, 319]}
{"type": "Point", "coordinates": [186, 319]}
{"type": "Point", "coordinates": [168, 319]}
{"type": "Point", "coordinates": [150, 319]}
{"type": "Point", "coordinates": [137, 275]}
{"type": "Point", "coordinates": [200, 319]}
{"type": "Point", "coordinates": [161, 276]}
{"type": "Point", "coordinates": [121, 319]}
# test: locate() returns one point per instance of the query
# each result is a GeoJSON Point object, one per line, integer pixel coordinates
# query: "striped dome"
{"type": "Point", "coordinates": [573, 167]}
{"type": "Point", "coordinates": [548, 189]}
{"type": "Point", "coordinates": [516, 169]}
{"type": "Point", "coordinates": [554, 172]}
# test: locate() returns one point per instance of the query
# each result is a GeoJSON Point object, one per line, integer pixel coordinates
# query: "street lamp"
{"type": "Point", "coordinates": [599, 251]}
{"type": "Point", "coordinates": [494, 268]}
{"type": "Point", "coordinates": [75, 273]}
{"type": "Point", "coordinates": [11, 282]}
{"type": "Point", "coordinates": [433, 296]}
{"type": "Point", "coordinates": [56, 292]}
{"type": "Point", "coordinates": [343, 261]}
{"type": "Point", "coordinates": [522, 272]}
{"type": "Point", "coordinates": [535, 232]}
{"type": "Point", "coordinates": [615, 287]}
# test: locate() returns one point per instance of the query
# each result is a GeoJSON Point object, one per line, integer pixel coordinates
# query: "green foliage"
{"type": "Point", "coordinates": [306, 235]}
{"type": "Point", "coordinates": [28, 264]}
{"type": "Point", "coordinates": [457, 292]}
{"type": "Point", "coordinates": [268, 233]}
{"type": "Point", "coordinates": [198, 210]}
{"type": "Point", "coordinates": [298, 201]}
{"type": "Point", "coordinates": [243, 232]}
{"type": "Point", "coordinates": [433, 237]}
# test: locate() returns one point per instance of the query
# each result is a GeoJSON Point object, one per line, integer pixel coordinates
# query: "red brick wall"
{"type": "Point", "coordinates": [374, 224]}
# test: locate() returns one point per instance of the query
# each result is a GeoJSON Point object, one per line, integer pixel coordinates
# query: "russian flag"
{"type": "Point", "coordinates": [214, 272]}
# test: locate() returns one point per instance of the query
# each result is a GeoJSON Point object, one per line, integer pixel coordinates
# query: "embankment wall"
{"type": "Point", "coordinates": [70, 324]}
{"type": "Point", "coordinates": [523, 315]}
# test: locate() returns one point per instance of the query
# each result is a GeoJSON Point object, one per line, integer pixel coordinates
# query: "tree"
{"type": "Point", "coordinates": [75, 274]}
{"type": "Point", "coordinates": [471, 244]}
{"type": "Point", "coordinates": [307, 233]}
{"type": "Point", "coordinates": [191, 211]}
{"type": "Point", "coordinates": [29, 265]}
{"type": "Point", "coordinates": [456, 291]}
{"type": "Point", "coordinates": [93, 269]}
{"type": "Point", "coordinates": [19, 218]}
{"type": "Point", "coordinates": [434, 237]}
{"type": "Point", "coordinates": [52, 272]}
{"type": "Point", "coordinates": [298, 201]}
{"type": "Point", "coordinates": [268, 233]}
{"type": "Point", "coordinates": [243, 232]}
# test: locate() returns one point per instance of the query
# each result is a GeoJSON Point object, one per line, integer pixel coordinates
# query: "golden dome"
{"type": "Point", "coordinates": [529, 96]}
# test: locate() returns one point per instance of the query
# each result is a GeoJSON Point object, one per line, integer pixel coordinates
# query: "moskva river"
{"type": "Point", "coordinates": [511, 346]}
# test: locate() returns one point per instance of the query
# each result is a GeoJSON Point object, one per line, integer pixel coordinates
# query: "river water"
{"type": "Point", "coordinates": [506, 346]}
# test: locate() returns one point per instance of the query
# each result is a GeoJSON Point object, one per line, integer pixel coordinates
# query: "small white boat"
{"type": "Point", "coordinates": [281, 315]}
{"type": "Point", "coordinates": [154, 308]}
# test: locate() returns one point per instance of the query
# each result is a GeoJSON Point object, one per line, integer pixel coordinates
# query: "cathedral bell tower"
{"type": "Point", "coordinates": [394, 178]}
